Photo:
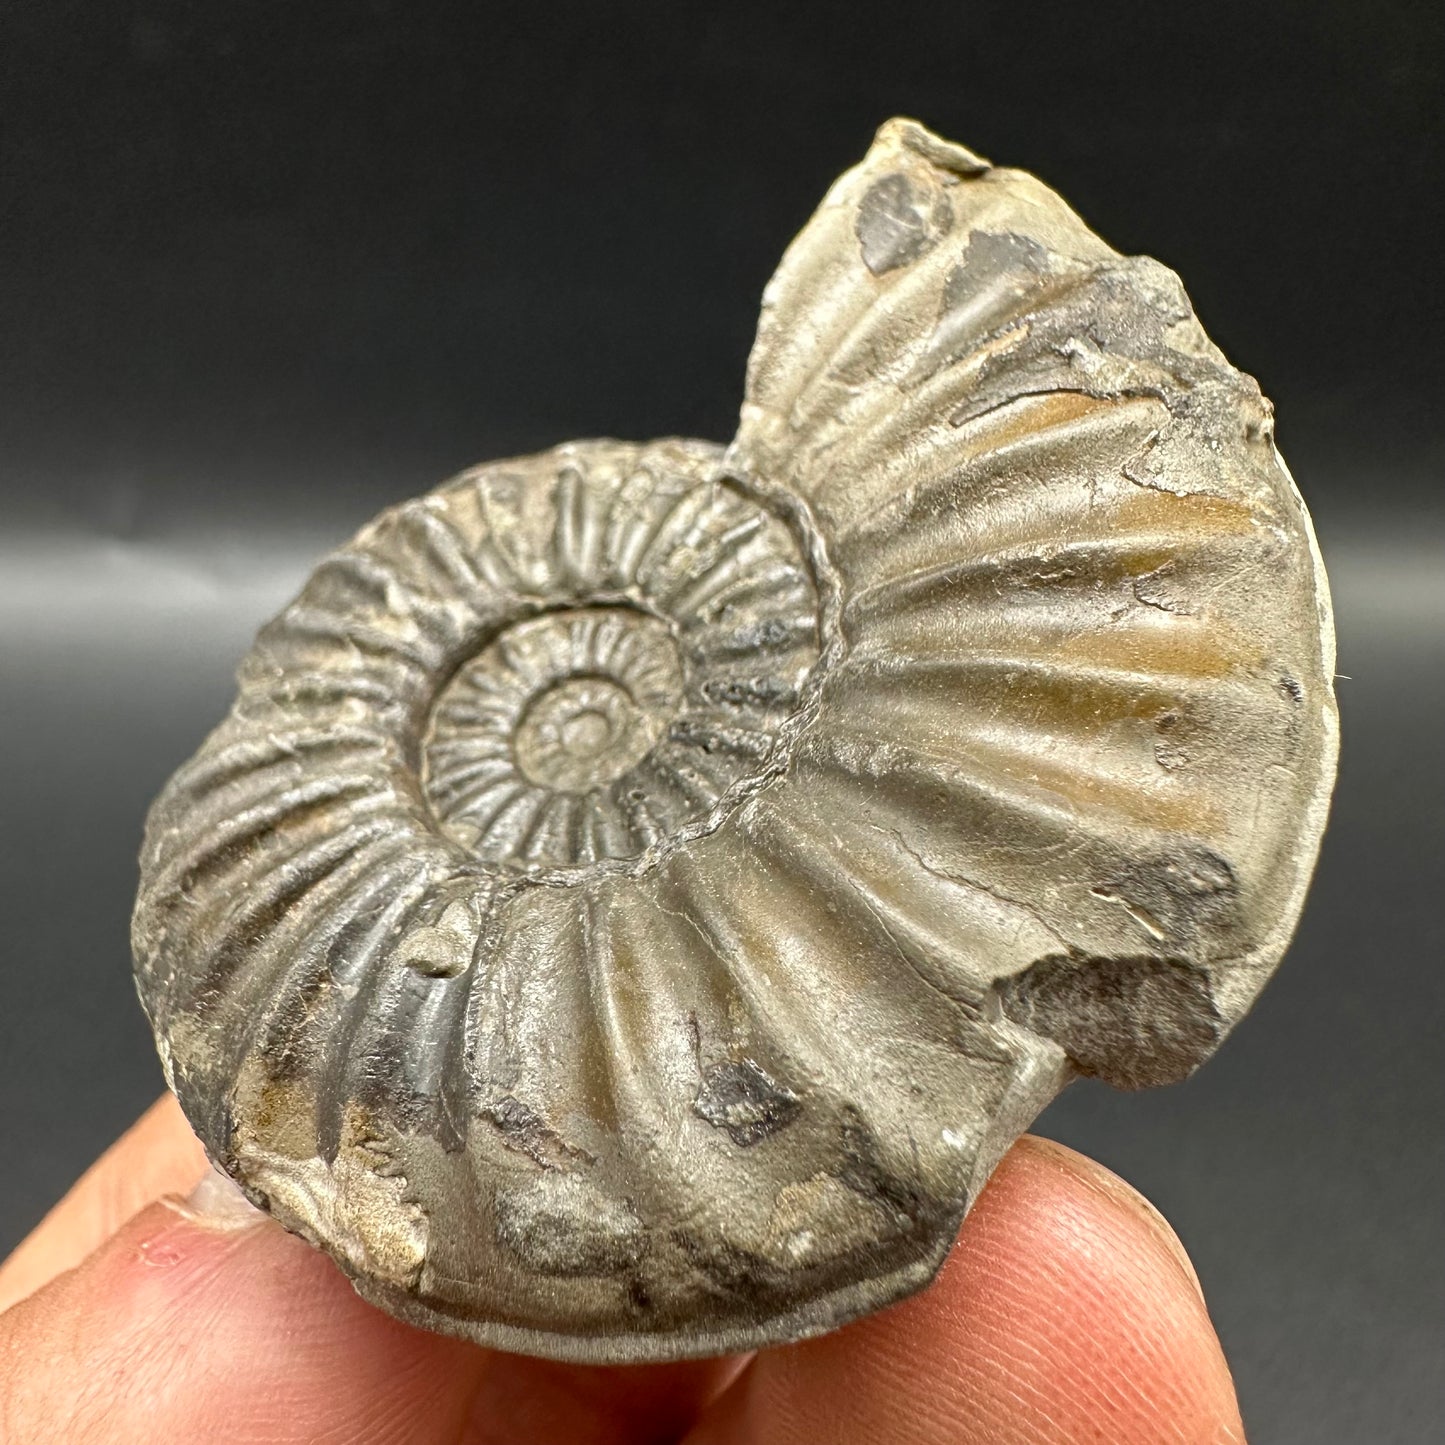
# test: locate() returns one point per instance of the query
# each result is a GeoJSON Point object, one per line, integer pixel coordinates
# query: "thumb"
{"type": "Point", "coordinates": [1068, 1313]}
{"type": "Point", "coordinates": [201, 1319]}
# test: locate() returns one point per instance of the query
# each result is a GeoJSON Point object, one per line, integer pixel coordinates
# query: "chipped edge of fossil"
{"type": "Point", "coordinates": [1043, 1074]}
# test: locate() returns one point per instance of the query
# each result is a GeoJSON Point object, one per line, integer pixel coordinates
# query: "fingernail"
{"type": "Point", "coordinates": [218, 1203]}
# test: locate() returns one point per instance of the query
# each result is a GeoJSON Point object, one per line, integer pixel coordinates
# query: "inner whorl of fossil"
{"type": "Point", "coordinates": [607, 722]}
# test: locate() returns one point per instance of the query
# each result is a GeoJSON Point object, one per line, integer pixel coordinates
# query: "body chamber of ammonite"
{"type": "Point", "coordinates": [641, 891]}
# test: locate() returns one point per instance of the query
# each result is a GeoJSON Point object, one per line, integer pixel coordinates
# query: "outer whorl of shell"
{"type": "Point", "coordinates": [640, 892]}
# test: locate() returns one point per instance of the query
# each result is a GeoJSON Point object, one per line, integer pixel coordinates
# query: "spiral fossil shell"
{"type": "Point", "coordinates": [641, 890]}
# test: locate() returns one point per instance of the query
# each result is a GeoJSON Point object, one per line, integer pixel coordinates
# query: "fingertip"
{"type": "Point", "coordinates": [158, 1153]}
{"type": "Point", "coordinates": [204, 1326]}
{"type": "Point", "coordinates": [201, 1319]}
{"type": "Point", "coordinates": [1047, 1160]}
{"type": "Point", "coordinates": [1065, 1313]}
{"type": "Point", "coordinates": [1072, 1291]}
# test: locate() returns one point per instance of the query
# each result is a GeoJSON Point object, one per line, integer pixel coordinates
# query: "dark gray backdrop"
{"type": "Point", "coordinates": [266, 267]}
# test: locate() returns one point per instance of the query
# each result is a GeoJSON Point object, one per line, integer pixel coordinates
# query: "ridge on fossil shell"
{"type": "Point", "coordinates": [640, 891]}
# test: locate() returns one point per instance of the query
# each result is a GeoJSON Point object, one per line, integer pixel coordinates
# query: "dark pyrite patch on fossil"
{"type": "Point", "coordinates": [641, 891]}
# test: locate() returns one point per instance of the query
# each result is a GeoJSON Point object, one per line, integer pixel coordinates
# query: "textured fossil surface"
{"type": "Point", "coordinates": [641, 890]}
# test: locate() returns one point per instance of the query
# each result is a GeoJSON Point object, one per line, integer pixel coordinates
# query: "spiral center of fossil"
{"type": "Point", "coordinates": [584, 732]}
{"type": "Point", "coordinates": [554, 709]}
{"type": "Point", "coordinates": [676, 624]}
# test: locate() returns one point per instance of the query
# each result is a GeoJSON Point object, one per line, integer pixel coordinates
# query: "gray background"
{"type": "Point", "coordinates": [265, 268]}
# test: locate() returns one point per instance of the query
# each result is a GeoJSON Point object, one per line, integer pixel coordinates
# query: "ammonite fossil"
{"type": "Point", "coordinates": [640, 891]}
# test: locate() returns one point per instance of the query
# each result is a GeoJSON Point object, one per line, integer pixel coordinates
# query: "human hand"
{"type": "Point", "coordinates": [1067, 1312]}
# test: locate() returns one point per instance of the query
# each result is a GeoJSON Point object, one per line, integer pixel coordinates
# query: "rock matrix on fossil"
{"type": "Point", "coordinates": [640, 891]}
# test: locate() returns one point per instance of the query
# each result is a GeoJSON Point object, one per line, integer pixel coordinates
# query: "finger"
{"type": "Point", "coordinates": [223, 1328]}
{"type": "Point", "coordinates": [523, 1401]}
{"type": "Point", "coordinates": [188, 1319]}
{"type": "Point", "coordinates": [156, 1155]}
{"type": "Point", "coordinates": [1067, 1312]}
